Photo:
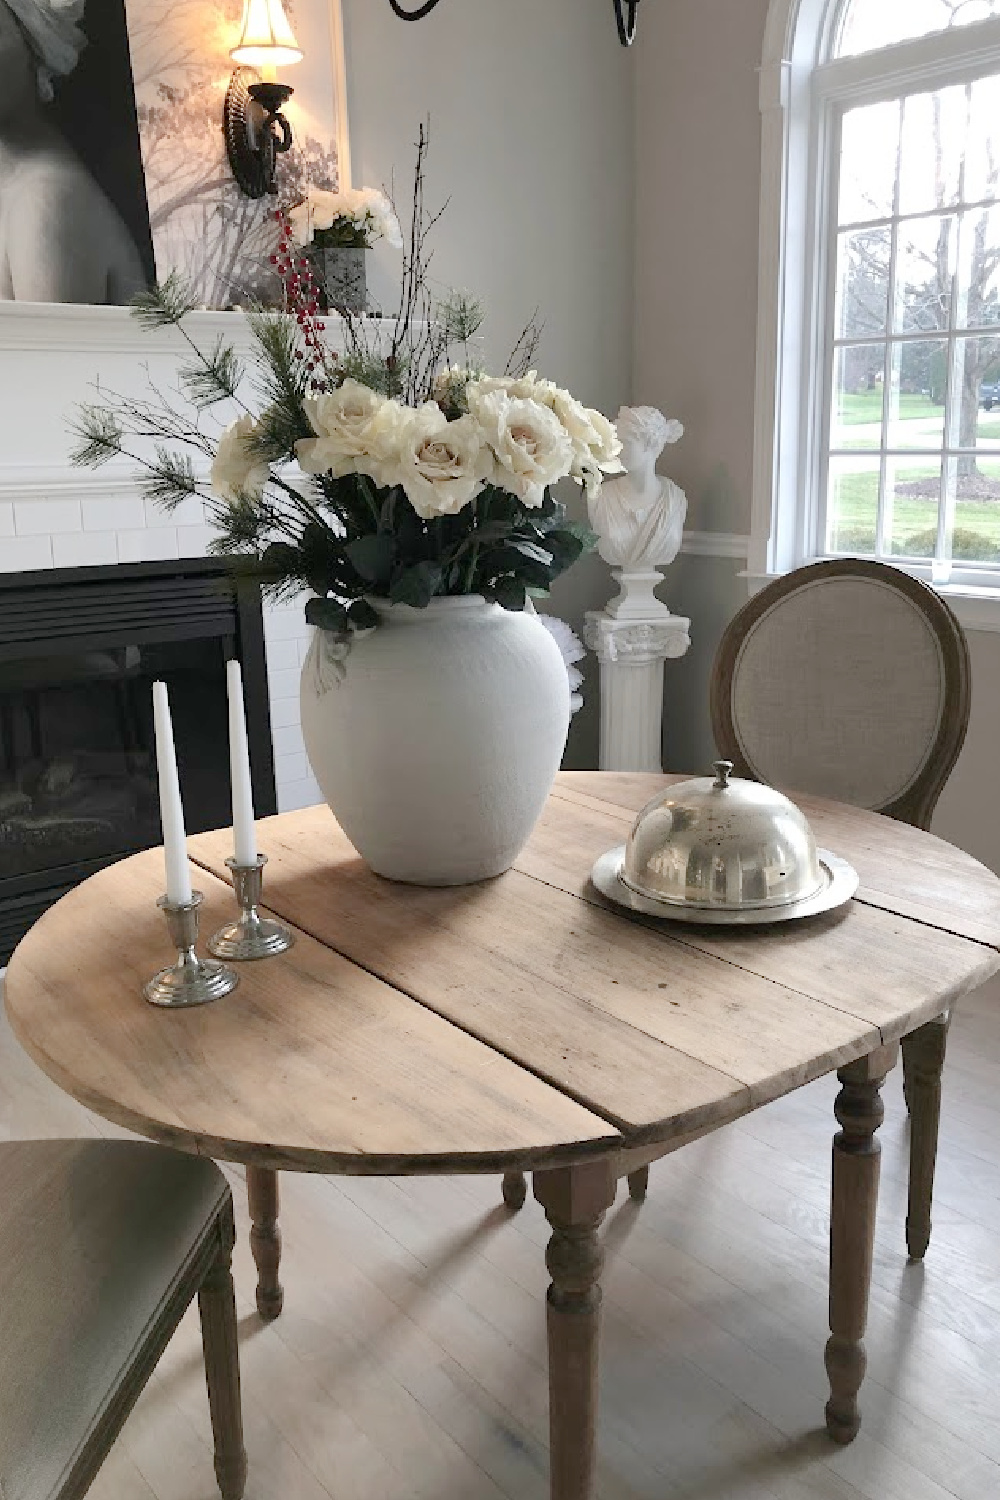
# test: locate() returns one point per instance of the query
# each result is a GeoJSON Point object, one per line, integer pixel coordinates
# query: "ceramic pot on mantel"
{"type": "Point", "coordinates": [341, 271]}
{"type": "Point", "coordinates": [436, 737]}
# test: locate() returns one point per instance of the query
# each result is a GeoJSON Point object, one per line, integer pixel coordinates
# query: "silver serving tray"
{"type": "Point", "coordinates": [840, 881]}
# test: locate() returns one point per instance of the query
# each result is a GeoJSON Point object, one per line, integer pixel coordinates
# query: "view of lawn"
{"type": "Point", "coordinates": [854, 496]}
{"type": "Point", "coordinates": [866, 406]}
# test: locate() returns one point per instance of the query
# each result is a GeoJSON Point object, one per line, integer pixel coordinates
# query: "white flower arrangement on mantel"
{"type": "Point", "coordinates": [352, 218]}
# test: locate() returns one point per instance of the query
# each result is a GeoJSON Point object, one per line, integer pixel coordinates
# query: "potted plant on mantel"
{"type": "Point", "coordinates": [336, 231]}
{"type": "Point", "coordinates": [411, 495]}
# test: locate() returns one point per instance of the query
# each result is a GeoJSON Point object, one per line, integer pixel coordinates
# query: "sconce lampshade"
{"type": "Point", "coordinates": [267, 40]}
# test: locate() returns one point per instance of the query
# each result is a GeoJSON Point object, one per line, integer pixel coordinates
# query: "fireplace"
{"type": "Point", "coordinates": [79, 651]}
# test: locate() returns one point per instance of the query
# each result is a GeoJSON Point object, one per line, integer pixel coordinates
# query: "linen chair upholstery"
{"type": "Point", "coordinates": [103, 1246]}
{"type": "Point", "coordinates": [851, 680]}
{"type": "Point", "coordinates": [847, 679]}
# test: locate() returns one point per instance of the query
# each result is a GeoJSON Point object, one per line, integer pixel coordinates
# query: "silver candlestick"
{"type": "Point", "coordinates": [191, 980]}
{"type": "Point", "coordinates": [251, 936]}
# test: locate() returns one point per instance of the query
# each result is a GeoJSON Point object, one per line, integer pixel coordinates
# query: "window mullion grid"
{"type": "Point", "coordinates": [884, 512]}
{"type": "Point", "coordinates": [821, 516]}
{"type": "Point", "coordinates": [953, 394]}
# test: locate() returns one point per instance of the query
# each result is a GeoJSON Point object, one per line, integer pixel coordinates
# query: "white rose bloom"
{"type": "Point", "coordinates": [347, 426]}
{"type": "Point", "coordinates": [587, 471]}
{"type": "Point", "coordinates": [382, 217]}
{"type": "Point", "coordinates": [236, 469]}
{"type": "Point", "coordinates": [608, 446]}
{"type": "Point", "coordinates": [531, 446]}
{"type": "Point", "coordinates": [441, 465]}
{"type": "Point", "coordinates": [318, 211]}
{"type": "Point", "coordinates": [521, 388]}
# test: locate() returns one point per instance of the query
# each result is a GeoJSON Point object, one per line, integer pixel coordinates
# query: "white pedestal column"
{"type": "Point", "coordinates": [632, 653]}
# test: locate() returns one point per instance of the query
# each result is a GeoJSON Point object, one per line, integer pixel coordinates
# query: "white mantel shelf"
{"type": "Point", "coordinates": [69, 327]}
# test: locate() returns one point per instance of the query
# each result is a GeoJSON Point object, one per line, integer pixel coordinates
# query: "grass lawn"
{"type": "Point", "coordinates": [866, 406]}
{"type": "Point", "coordinates": [854, 505]}
{"type": "Point", "coordinates": [854, 497]}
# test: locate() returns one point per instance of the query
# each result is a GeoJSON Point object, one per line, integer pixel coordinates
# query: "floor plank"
{"type": "Point", "coordinates": [409, 1363]}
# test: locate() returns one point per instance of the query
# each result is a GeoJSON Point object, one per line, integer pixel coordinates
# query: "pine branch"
{"type": "Point", "coordinates": [213, 377]}
{"type": "Point", "coordinates": [284, 384]}
{"type": "Point", "coordinates": [100, 434]}
{"type": "Point", "coordinates": [170, 479]}
{"type": "Point", "coordinates": [165, 305]}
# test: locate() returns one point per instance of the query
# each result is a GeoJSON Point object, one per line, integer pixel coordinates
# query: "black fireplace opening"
{"type": "Point", "coordinates": [79, 652]}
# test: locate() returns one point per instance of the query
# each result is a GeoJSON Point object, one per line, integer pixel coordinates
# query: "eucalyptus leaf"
{"type": "Point", "coordinates": [532, 550]}
{"type": "Point", "coordinates": [326, 614]}
{"type": "Point", "coordinates": [565, 547]}
{"type": "Point", "coordinates": [416, 585]}
{"type": "Point", "coordinates": [362, 615]}
{"type": "Point", "coordinates": [373, 556]}
{"type": "Point", "coordinates": [509, 592]}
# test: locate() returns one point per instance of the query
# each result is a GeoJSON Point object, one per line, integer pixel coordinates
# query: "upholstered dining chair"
{"type": "Point", "coordinates": [103, 1244]}
{"type": "Point", "coordinates": [850, 680]}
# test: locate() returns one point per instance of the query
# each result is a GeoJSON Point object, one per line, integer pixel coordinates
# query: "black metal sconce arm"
{"type": "Point", "coordinates": [256, 131]}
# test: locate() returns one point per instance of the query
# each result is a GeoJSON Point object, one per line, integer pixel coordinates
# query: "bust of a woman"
{"type": "Point", "coordinates": [639, 516]}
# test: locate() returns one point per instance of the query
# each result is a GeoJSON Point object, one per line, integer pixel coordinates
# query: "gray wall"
{"type": "Point", "coordinates": [531, 116]}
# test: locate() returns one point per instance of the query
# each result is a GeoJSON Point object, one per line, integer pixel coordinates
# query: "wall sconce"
{"type": "Point", "coordinates": [625, 15]}
{"type": "Point", "coordinates": [256, 131]}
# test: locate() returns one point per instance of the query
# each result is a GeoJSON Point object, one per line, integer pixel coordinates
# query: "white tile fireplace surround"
{"type": "Point", "coordinates": [53, 515]}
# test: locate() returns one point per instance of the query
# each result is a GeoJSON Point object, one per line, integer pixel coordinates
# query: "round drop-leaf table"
{"type": "Point", "coordinates": [518, 1025]}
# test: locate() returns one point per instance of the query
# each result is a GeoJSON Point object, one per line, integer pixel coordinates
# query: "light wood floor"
{"type": "Point", "coordinates": [410, 1359]}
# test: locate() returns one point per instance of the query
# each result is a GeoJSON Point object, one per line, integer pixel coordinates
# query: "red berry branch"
{"type": "Point", "coordinates": [302, 296]}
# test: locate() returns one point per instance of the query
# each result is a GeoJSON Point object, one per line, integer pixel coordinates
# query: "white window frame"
{"type": "Point", "coordinates": [801, 99]}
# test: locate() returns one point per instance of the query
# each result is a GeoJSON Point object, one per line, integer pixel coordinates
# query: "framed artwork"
{"type": "Point", "coordinates": [127, 177]}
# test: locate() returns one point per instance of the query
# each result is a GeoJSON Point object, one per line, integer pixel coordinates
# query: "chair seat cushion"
{"type": "Point", "coordinates": [95, 1236]}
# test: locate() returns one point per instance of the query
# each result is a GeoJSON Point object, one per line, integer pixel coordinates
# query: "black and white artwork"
{"type": "Point", "coordinates": [74, 225]}
{"type": "Point", "coordinates": [113, 169]}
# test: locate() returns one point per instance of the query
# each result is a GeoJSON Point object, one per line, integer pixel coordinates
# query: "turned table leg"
{"type": "Point", "coordinates": [217, 1306]}
{"type": "Point", "coordinates": [856, 1153]}
{"type": "Point", "coordinates": [575, 1200]}
{"type": "Point", "coordinates": [923, 1061]}
{"type": "Point", "coordinates": [638, 1184]}
{"type": "Point", "coordinates": [265, 1239]}
{"type": "Point", "coordinates": [514, 1189]}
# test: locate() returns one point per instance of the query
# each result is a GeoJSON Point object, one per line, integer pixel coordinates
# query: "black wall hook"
{"type": "Point", "coordinates": [625, 14]}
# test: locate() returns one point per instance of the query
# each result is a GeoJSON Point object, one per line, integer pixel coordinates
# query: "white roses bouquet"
{"type": "Point", "coordinates": [386, 467]}
{"type": "Point", "coordinates": [452, 495]}
{"type": "Point", "coordinates": [352, 217]}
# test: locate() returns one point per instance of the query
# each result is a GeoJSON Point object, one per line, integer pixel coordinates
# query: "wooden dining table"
{"type": "Point", "coordinates": [519, 1025]}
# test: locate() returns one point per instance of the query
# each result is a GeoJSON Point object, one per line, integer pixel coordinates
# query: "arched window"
{"type": "Point", "coordinates": [878, 421]}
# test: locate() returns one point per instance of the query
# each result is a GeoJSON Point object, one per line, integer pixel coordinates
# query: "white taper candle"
{"type": "Point", "coordinates": [244, 832]}
{"type": "Point", "coordinates": [171, 807]}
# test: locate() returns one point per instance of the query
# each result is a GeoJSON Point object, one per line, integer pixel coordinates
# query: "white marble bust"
{"type": "Point", "coordinates": [639, 517]}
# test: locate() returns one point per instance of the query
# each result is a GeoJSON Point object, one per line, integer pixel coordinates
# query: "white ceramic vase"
{"type": "Point", "coordinates": [436, 739]}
